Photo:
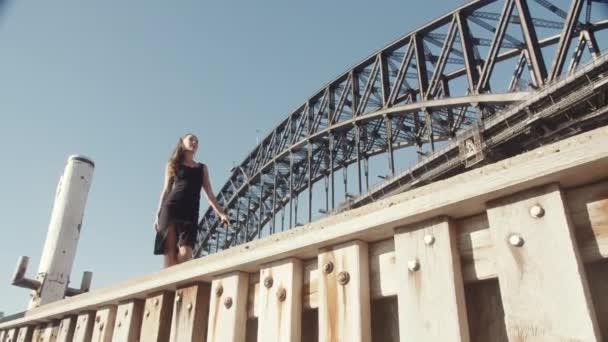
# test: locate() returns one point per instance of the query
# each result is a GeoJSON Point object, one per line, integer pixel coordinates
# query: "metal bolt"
{"type": "Point", "coordinates": [178, 298]}
{"type": "Point", "coordinates": [119, 324]}
{"type": "Point", "coordinates": [126, 313]}
{"type": "Point", "coordinates": [268, 282]}
{"type": "Point", "coordinates": [98, 319]}
{"type": "Point", "coordinates": [413, 265]}
{"type": "Point", "coordinates": [537, 211]}
{"type": "Point", "coordinates": [343, 278]}
{"type": "Point", "coordinates": [328, 267]}
{"type": "Point", "coordinates": [516, 240]}
{"type": "Point", "coordinates": [281, 294]}
{"type": "Point", "coordinates": [429, 239]}
{"type": "Point", "coordinates": [189, 307]}
{"type": "Point", "coordinates": [147, 313]}
{"type": "Point", "coordinates": [101, 326]}
{"type": "Point", "coordinates": [219, 290]}
{"type": "Point", "coordinates": [228, 302]}
{"type": "Point", "coordinates": [156, 302]}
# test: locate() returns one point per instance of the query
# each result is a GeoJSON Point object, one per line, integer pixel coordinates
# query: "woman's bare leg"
{"type": "Point", "coordinates": [184, 254]}
{"type": "Point", "coordinates": [170, 247]}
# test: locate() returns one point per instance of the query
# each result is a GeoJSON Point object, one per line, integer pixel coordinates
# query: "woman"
{"type": "Point", "coordinates": [177, 218]}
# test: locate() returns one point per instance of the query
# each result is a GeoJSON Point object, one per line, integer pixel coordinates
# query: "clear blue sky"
{"type": "Point", "coordinates": [119, 81]}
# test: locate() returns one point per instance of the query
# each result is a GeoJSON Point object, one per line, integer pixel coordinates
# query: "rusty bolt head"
{"type": "Point", "coordinates": [189, 307]}
{"type": "Point", "coordinates": [413, 265]}
{"type": "Point", "coordinates": [126, 313]}
{"type": "Point", "coordinates": [219, 290]}
{"type": "Point", "coordinates": [156, 302]}
{"type": "Point", "coordinates": [429, 239]}
{"type": "Point", "coordinates": [98, 319]}
{"type": "Point", "coordinates": [268, 282]}
{"type": "Point", "coordinates": [101, 326]}
{"type": "Point", "coordinates": [328, 267]}
{"type": "Point", "coordinates": [147, 313]}
{"type": "Point", "coordinates": [178, 297]}
{"type": "Point", "coordinates": [281, 294]}
{"type": "Point", "coordinates": [119, 324]}
{"type": "Point", "coordinates": [516, 240]}
{"type": "Point", "coordinates": [343, 278]}
{"type": "Point", "coordinates": [228, 302]}
{"type": "Point", "coordinates": [537, 211]}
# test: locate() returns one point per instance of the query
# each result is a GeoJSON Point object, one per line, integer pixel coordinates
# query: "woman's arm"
{"type": "Point", "coordinates": [211, 197]}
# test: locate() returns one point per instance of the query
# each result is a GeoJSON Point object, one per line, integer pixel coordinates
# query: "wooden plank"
{"type": "Point", "coordinates": [571, 162]}
{"type": "Point", "coordinates": [156, 324]}
{"type": "Point", "coordinates": [280, 302]}
{"type": "Point", "coordinates": [38, 332]}
{"type": "Point", "coordinates": [2, 335]}
{"type": "Point", "coordinates": [344, 297]}
{"type": "Point", "coordinates": [24, 335]}
{"type": "Point", "coordinates": [537, 263]}
{"type": "Point", "coordinates": [190, 313]}
{"type": "Point", "coordinates": [66, 329]}
{"type": "Point", "coordinates": [127, 325]}
{"type": "Point", "coordinates": [104, 324]}
{"type": "Point", "coordinates": [227, 310]}
{"type": "Point", "coordinates": [485, 312]}
{"type": "Point", "coordinates": [84, 327]}
{"type": "Point", "coordinates": [430, 291]}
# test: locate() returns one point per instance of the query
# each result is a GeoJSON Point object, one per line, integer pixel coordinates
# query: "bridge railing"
{"type": "Point", "coordinates": [515, 250]}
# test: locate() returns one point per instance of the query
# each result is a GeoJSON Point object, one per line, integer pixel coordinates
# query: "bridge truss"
{"type": "Point", "coordinates": [489, 80]}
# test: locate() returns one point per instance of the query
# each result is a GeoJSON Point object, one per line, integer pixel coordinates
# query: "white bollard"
{"type": "Point", "coordinates": [64, 231]}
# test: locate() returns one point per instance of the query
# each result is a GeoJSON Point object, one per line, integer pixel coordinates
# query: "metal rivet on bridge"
{"type": "Point", "coordinates": [147, 313]}
{"type": "Point", "coordinates": [413, 265]}
{"type": "Point", "coordinates": [126, 313]}
{"type": "Point", "coordinates": [268, 282]}
{"type": "Point", "coordinates": [516, 240]}
{"type": "Point", "coordinates": [343, 278]}
{"type": "Point", "coordinates": [228, 302]}
{"type": "Point", "coordinates": [219, 290]}
{"type": "Point", "coordinates": [189, 307]}
{"type": "Point", "coordinates": [178, 298]}
{"type": "Point", "coordinates": [328, 267]}
{"type": "Point", "coordinates": [101, 326]}
{"type": "Point", "coordinates": [156, 302]}
{"type": "Point", "coordinates": [429, 239]}
{"type": "Point", "coordinates": [119, 324]}
{"type": "Point", "coordinates": [537, 211]}
{"type": "Point", "coordinates": [281, 294]}
{"type": "Point", "coordinates": [98, 319]}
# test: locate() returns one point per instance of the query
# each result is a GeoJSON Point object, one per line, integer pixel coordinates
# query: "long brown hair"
{"type": "Point", "coordinates": [177, 156]}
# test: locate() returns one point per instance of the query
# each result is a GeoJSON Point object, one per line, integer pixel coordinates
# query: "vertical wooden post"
{"type": "Point", "coordinates": [430, 292]}
{"type": "Point", "coordinates": [84, 327]}
{"type": "Point", "coordinates": [344, 298]}
{"type": "Point", "coordinates": [542, 281]}
{"type": "Point", "coordinates": [66, 329]}
{"type": "Point", "coordinates": [190, 313]}
{"type": "Point", "coordinates": [128, 321]}
{"type": "Point", "coordinates": [24, 335]}
{"type": "Point", "coordinates": [10, 335]}
{"type": "Point", "coordinates": [280, 302]}
{"type": "Point", "coordinates": [228, 308]}
{"type": "Point", "coordinates": [156, 323]}
{"type": "Point", "coordinates": [37, 333]}
{"type": "Point", "coordinates": [49, 332]}
{"type": "Point", "coordinates": [104, 324]}
{"type": "Point", "coordinates": [2, 335]}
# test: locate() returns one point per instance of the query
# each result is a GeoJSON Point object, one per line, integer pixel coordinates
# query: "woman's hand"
{"type": "Point", "coordinates": [224, 218]}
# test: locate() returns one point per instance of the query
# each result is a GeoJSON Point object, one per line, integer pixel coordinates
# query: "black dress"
{"type": "Point", "coordinates": [180, 208]}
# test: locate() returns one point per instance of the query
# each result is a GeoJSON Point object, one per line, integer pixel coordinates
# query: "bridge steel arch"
{"type": "Point", "coordinates": [426, 88]}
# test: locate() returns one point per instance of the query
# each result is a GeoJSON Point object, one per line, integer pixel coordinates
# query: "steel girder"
{"type": "Point", "coordinates": [422, 89]}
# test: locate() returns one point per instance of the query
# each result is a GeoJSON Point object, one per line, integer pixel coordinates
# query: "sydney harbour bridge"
{"type": "Point", "coordinates": [487, 81]}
